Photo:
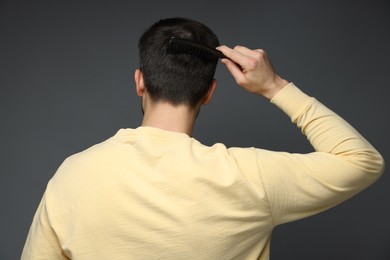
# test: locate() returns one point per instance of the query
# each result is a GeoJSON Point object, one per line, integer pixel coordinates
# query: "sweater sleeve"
{"type": "Point", "coordinates": [42, 242]}
{"type": "Point", "coordinates": [300, 185]}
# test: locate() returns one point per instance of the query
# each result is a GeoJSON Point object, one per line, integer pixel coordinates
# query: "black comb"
{"type": "Point", "coordinates": [178, 45]}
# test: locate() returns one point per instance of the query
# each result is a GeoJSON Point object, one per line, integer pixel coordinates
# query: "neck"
{"type": "Point", "coordinates": [171, 118]}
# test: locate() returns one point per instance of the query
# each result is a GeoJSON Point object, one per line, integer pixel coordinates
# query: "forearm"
{"type": "Point", "coordinates": [328, 132]}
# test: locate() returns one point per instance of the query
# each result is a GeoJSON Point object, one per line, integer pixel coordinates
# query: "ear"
{"type": "Point", "coordinates": [207, 98]}
{"type": "Point", "coordinates": [139, 82]}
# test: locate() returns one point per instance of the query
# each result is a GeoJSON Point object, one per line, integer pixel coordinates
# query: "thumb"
{"type": "Point", "coordinates": [235, 70]}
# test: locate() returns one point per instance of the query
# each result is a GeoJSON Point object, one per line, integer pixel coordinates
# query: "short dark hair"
{"type": "Point", "coordinates": [177, 78]}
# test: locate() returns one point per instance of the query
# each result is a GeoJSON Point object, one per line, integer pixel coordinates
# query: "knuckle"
{"type": "Point", "coordinates": [252, 63]}
{"type": "Point", "coordinates": [260, 53]}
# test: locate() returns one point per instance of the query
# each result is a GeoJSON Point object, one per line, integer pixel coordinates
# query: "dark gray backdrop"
{"type": "Point", "coordinates": [67, 83]}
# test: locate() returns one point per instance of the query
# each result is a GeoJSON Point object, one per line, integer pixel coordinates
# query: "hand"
{"type": "Point", "coordinates": [252, 70]}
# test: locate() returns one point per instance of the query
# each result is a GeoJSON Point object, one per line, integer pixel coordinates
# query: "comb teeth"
{"type": "Point", "coordinates": [177, 45]}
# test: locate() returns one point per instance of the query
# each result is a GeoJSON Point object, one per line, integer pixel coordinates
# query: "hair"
{"type": "Point", "coordinates": [178, 78]}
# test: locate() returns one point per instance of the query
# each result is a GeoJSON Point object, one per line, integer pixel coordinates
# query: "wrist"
{"type": "Point", "coordinates": [274, 87]}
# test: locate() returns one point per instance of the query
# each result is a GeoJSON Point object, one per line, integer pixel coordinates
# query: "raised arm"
{"type": "Point", "coordinates": [299, 185]}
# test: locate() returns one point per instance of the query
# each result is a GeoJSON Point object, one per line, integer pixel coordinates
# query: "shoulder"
{"type": "Point", "coordinates": [87, 160]}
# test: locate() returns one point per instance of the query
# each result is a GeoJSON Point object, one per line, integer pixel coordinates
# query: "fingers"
{"type": "Point", "coordinates": [238, 61]}
{"type": "Point", "coordinates": [235, 70]}
{"type": "Point", "coordinates": [246, 58]}
{"type": "Point", "coordinates": [234, 55]}
{"type": "Point", "coordinates": [252, 70]}
{"type": "Point", "coordinates": [244, 50]}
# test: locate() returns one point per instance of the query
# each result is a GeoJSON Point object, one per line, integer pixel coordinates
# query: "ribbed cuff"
{"type": "Point", "coordinates": [292, 101]}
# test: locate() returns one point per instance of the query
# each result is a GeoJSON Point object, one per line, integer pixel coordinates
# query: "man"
{"type": "Point", "coordinates": [157, 193]}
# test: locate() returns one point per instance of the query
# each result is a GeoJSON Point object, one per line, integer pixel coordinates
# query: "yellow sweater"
{"type": "Point", "coordinates": [147, 193]}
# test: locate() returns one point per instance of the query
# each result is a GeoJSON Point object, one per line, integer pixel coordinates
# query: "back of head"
{"type": "Point", "coordinates": [179, 78]}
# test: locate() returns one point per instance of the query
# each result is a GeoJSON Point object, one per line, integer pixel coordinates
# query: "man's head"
{"type": "Point", "coordinates": [179, 79]}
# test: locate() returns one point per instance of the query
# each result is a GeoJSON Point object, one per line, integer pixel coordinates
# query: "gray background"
{"type": "Point", "coordinates": [67, 83]}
